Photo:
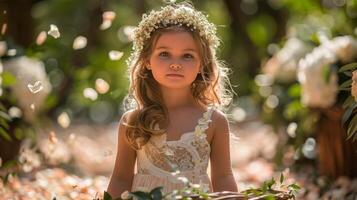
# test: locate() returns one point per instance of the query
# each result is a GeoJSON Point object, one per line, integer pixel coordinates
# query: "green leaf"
{"type": "Point", "coordinates": [348, 73]}
{"type": "Point", "coordinates": [347, 67]}
{"type": "Point", "coordinates": [281, 178]}
{"type": "Point", "coordinates": [19, 134]}
{"type": "Point", "coordinates": [5, 135]}
{"type": "Point", "coordinates": [4, 115]}
{"type": "Point", "coordinates": [107, 196]}
{"type": "Point", "coordinates": [8, 79]}
{"type": "Point", "coordinates": [348, 113]}
{"type": "Point", "coordinates": [346, 85]}
{"type": "Point", "coordinates": [269, 197]}
{"type": "Point", "coordinates": [4, 123]}
{"type": "Point", "coordinates": [349, 101]}
{"type": "Point", "coordinates": [10, 164]}
{"type": "Point", "coordinates": [156, 193]}
{"type": "Point", "coordinates": [352, 128]}
{"type": "Point", "coordinates": [140, 195]}
{"type": "Point", "coordinates": [295, 90]}
{"type": "Point", "coordinates": [294, 186]}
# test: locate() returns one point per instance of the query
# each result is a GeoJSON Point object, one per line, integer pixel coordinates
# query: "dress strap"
{"type": "Point", "coordinates": [204, 121]}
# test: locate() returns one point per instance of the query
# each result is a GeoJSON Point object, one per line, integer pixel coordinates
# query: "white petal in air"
{"type": "Point", "coordinates": [105, 24]}
{"type": "Point", "coordinates": [101, 86]}
{"type": "Point", "coordinates": [3, 28]}
{"type": "Point", "coordinates": [79, 42]}
{"type": "Point", "coordinates": [15, 112]}
{"type": "Point", "coordinates": [3, 48]}
{"type": "Point", "coordinates": [41, 38]}
{"type": "Point", "coordinates": [108, 15]}
{"type": "Point", "coordinates": [54, 32]}
{"type": "Point", "coordinates": [115, 55]}
{"type": "Point", "coordinates": [35, 88]}
{"type": "Point", "coordinates": [11, 52]}
{"type": "Point", "coordinates": [32, 106]}
{"type": "Point", "coordinates": [52, 137]}
{"type": "Point", "coordinates": [90, 93]}
{"type": "Point", "coordinates": [64, 120]}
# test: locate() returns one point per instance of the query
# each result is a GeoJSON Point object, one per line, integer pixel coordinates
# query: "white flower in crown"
{"type": "Point", "coordinates": [182, 15]}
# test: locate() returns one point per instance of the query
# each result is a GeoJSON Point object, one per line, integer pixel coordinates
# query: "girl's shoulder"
{"type": "Point", "coordinates": [218, 119]}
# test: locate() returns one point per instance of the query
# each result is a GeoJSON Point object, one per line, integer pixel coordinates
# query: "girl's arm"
{"type": "Point", "coordinates": [123, 173]}
{"type": "Point", "coordinates": [221, 169]}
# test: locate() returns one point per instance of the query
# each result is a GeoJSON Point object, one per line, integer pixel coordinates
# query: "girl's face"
{"type": "Point", "coordinates": [175, 60]}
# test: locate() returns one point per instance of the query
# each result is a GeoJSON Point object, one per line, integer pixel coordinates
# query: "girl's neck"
{"type": "Point", "coordinates": [176, 98]}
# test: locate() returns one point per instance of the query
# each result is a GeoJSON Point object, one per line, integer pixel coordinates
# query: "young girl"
{"type": "Point", "coordinates": [177, 86]}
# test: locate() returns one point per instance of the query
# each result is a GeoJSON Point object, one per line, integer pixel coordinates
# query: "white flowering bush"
{"type": "Point", "coordinates": [299, 82]}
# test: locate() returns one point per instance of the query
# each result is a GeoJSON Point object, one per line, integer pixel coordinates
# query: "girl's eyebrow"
{"type": "Point", "coordinates": [164, 47]}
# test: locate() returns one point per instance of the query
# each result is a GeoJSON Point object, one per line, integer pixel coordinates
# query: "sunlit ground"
{"type": "Point", "coordinates": [77, 164]}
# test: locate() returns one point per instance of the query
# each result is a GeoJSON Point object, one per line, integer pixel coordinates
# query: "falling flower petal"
{"type": "Point", "coordinates": [115, 55]}
{"type": "Point", "coordinates": [105, 24]}
{"type": "Point", "coordinates": [54, 31]}
{"type": "Point", "coordinates": [35, 88]}
{"type": "Point", "coordinates": [3, 48]}
{"type": "Point", "coordinates": [79, 42]}
{"type": "Point", "coordinates": [11, 52]}
{"type": "Point", "coordinates": [90, 93]}
{"type": "Point", "coordinates": [41, 38]}
{"type": "Point", "coordinates": [52, 137]}
{"type": "Point", "coordinates": [71, 139]}
{"type": "Point", "coordinates": [176, 172]}
{"type": "Point", "coordinates": [15, 112]}
{"type": "Point", "coordinates": [3, 28]}
{"type": "Point", "coordinates": [101, 86]}
{"type": "Point", "coordinates": [126, 33]}
{"type": "Point", "coordinates": [183, 179]}
{"type": "Point", "coordinates": [32, 106]}
{"type": "Point", "coordinates": [108, 15]}
{"type": "Point", "coordinates": [64, 120]}
{"type": "Point", "coordinates": [291, 129]}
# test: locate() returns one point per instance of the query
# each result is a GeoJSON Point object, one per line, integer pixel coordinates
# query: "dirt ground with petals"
{"type": "Point", "coordinates": [77, 163]}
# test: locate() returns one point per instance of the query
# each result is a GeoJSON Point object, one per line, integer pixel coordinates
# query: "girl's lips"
{"type": "Point", "coordinates": [174, 75]}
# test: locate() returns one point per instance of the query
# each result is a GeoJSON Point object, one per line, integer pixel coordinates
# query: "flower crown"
{"type": "Point", "coordinates": [179, 14]}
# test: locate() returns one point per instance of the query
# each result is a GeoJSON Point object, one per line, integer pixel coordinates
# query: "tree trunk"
{"type": "Point", "coordinates": [336, 155]}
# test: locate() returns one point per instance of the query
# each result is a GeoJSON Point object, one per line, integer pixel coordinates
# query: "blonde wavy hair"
{"type": "Point", "coordinates": [209, 87]}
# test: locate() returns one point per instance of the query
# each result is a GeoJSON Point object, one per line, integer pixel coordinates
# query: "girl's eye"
{"type": "Point", "coordinates": [164, 54]}
{"type": "Point", "coordinates": [188, 56]}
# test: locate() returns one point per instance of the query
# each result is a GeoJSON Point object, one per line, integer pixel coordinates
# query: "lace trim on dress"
{"type": "Point", "coordinates": [190, 153]}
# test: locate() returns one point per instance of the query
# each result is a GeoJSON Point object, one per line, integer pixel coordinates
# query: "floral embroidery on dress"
{"type": "Point", "coordinates": [159, 158]}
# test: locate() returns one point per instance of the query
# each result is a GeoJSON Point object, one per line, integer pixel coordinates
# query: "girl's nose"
{"type": "Point", "coordinates": [175, 66]}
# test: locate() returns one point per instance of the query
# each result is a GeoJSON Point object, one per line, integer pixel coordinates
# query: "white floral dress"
{"type": "Point", "coordinates": [159, 159]}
